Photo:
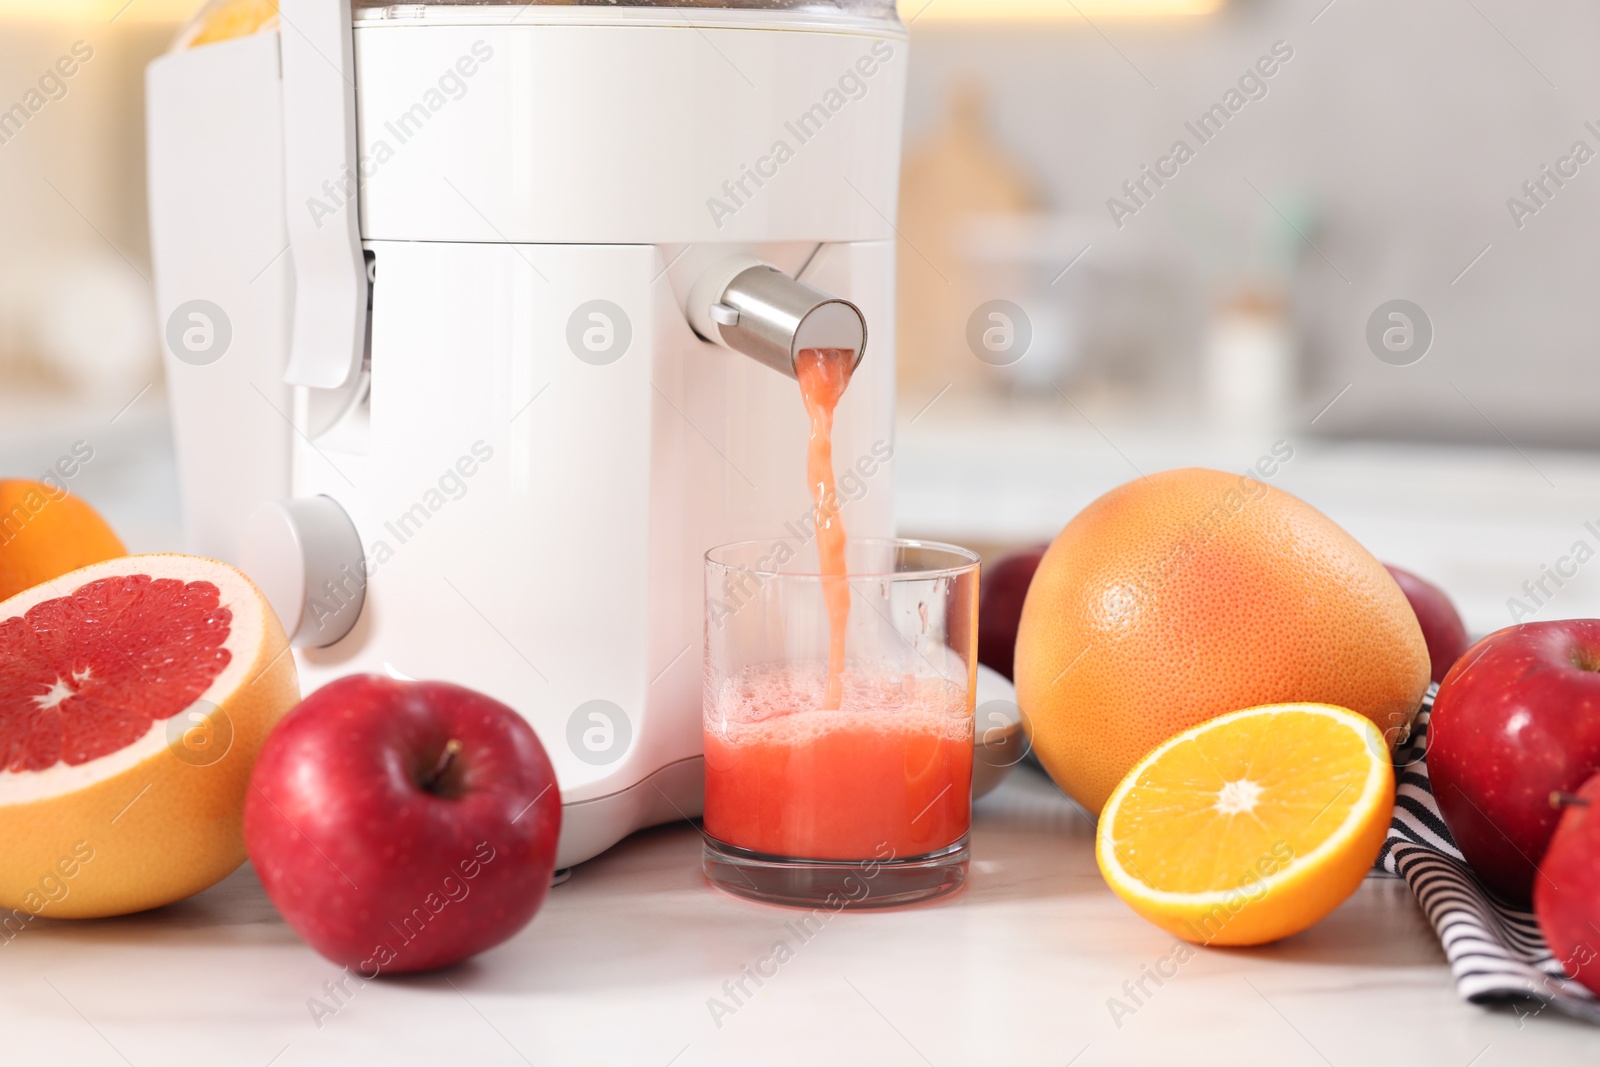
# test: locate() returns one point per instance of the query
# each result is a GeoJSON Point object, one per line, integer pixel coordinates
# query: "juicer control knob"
{"type": "Point", "coordinates": [306, 557]}
{"type": "Point", "coordinates": [754, 308]}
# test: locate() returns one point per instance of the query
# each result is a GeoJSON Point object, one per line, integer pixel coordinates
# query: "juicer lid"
{"type": "Point", "coordinates": [222, 20]}
{"type": "Point", "coordinates": [844, 9]}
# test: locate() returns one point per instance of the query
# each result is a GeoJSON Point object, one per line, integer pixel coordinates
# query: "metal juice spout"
{"type": "Point", "coordinates": [753, 308]}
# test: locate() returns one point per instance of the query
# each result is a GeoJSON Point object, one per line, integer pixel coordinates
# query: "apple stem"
{"type": "Point", "coordinates": [452, 749]}
{"type": "Point", "coordinates": [1558, 799]}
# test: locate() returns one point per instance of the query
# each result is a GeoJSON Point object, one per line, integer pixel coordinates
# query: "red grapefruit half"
{"type": "Point", "coordinates": [135, 695]}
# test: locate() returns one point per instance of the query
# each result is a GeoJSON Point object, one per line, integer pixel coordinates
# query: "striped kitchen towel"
{"type": "Point", "coordinates": [1496, 952]}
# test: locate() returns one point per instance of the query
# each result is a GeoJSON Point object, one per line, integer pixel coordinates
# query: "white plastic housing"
{"type": "Point", "coordinates": [626, 126]}
{"type": "Point", "coordinates": [542, 449]}
{"type": "Point", "coordinates": [535, 524]}
{"type": "Point", "coordinates": [218, 234]}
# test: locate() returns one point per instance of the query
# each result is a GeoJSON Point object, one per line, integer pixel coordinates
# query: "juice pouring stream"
{"type": "Point", "coordinates": [836, 767]}
{"type": "Point", "coordinates": [824, 373]}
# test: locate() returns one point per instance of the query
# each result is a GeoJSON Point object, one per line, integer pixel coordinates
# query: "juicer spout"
{"type": "Point", "coordinates": [753, 308]}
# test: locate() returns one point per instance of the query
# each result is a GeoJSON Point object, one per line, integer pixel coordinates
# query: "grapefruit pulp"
{"type": "Point", "coordinates": [135, 695]}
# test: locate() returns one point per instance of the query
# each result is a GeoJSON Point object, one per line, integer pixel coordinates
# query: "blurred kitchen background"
{"type": "Point", "coordinates": [1054, 341]}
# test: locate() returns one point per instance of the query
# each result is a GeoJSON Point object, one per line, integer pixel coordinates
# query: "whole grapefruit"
{"type": "Point", "coordinates": [1191, 593]}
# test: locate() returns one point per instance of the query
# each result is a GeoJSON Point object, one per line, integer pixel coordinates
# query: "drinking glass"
{"type": "Point", "coordinates": [866, 804]}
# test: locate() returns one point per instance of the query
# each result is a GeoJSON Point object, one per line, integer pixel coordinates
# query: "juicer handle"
{"type": "Point", "coordinates": [754, 308]}
{"type": "Point", "coordinates": [321, 190]}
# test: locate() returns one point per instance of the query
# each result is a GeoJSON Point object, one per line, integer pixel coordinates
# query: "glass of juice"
{"type": "Point", "coordinates": [839, 774]}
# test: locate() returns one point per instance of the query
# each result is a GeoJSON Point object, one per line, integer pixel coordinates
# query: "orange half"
{"type": "Point", "coordinates": [1252, 826]}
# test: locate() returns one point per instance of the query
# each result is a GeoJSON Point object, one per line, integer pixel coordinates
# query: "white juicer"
{"type": "Point", "coordinates": [475, 318]}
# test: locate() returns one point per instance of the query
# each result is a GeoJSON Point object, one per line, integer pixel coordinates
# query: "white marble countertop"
{"type": "Point", "coordinates": [618, 968]}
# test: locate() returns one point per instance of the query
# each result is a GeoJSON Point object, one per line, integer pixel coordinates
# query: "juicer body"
{"type": "Point", "coordinates": [531, 447]}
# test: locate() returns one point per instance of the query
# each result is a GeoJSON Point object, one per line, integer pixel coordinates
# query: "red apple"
{"type": "Point", "coordinates": [1004, 587]}
{"type": "Point", "coordinates": [1566, 896]}
{"type": "Point", "coordinates": [1516, 719]}
{"type": "Point", "coordinates": [402, 826]}
{"type": "Point", "coordinates": [1441, 623]}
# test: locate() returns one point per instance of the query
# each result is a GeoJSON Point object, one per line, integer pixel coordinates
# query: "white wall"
{"type": "Point", "coordinates": [1403, 128]}
{"type": "Point", "coordinates": [74, 294]}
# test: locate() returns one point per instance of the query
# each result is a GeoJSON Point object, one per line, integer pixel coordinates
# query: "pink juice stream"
{"type": "Point", "coordinates": [824, 373]}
